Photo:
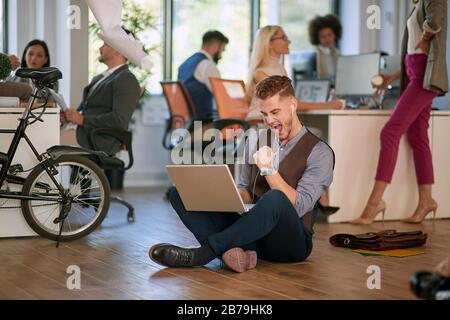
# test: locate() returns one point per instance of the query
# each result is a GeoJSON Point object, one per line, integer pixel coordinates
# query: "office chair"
{"type": "Point", "coordinates": [232, 105]}
{"type": "Point", "coordinates": [114, 163]}
{"type": "Point", "coordinates": [183, 114]}
{"type": "Point", "coordinates": [231, 101]}
{"type": "Point", "coordinates": [232, 108]}
{"type": "Point", "coordinates": [181, 110]}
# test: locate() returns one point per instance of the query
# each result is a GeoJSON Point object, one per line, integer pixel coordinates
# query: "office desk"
{"type": "Point", "coordinates": [354, 136]}
{"type": "Point", "coordinates": [37, 105]}
{"type": "Point", "coordinates": [43, 135]}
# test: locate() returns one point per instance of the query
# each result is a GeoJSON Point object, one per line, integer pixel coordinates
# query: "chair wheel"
{"type": "Point", "coordinates": [130, 216]}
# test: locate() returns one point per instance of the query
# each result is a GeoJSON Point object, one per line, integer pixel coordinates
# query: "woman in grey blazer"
{"type": "Point", "coordinates": [423, 76]}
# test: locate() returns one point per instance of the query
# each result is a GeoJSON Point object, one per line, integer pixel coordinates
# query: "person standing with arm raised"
{"type": "Point", "coordinates": [423, 77]}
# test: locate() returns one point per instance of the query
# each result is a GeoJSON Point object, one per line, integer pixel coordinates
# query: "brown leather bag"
{"type": "Point", "coordinates": [379, 241]}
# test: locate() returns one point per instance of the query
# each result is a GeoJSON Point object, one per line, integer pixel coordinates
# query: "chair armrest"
{"type": "Point", "coordinates": [125, 137]}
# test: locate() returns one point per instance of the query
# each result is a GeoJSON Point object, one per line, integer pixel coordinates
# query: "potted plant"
{"type": "Point", "coordinates": [5, 66]}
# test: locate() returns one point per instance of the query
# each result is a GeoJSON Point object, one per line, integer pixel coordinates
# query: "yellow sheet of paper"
{"type": "Point", "coordinates": [391, 253]}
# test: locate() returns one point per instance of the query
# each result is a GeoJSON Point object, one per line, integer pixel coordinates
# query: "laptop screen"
{"type": "Point", "coordinates": [312, 90]}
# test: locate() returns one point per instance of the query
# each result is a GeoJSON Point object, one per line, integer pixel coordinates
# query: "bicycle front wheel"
{"type": "Point", "coordinates": [86, 186]}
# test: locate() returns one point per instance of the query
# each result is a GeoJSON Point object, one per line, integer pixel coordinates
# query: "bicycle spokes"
{"type": "Point", "coordinates": [77, 208]}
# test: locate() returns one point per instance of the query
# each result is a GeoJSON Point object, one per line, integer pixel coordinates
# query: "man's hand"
{"type": "Point", "coordinates": [264, 158]}
{"type": "Point", "coordinates": [74, 116]}
{"type": "Point", "coordinates": [245, 196]}
{"type": "Point", "coordinates": [62, 117]}
{"type": "Point", "coordinates": [386, 80]}
{"type": "Point", "coordinates": [15, 62]}
{"type": "Point", "coordinates": [424, 45]}
{"type": "Point", "coordinates": [336, 104]}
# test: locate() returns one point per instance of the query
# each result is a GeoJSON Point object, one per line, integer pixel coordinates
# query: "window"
{"type": "Point", "coordinates": [144, 18]}
{"type": "Point", "coordinates": [2, 26]}
{"type": "Point", "coordinates": [192, 18]}
{"type": "Point", "coordinates": [294, 16]}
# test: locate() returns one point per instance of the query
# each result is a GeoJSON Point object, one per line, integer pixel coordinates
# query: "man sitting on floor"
{"type": "Point", "coordinates": [279, 227]}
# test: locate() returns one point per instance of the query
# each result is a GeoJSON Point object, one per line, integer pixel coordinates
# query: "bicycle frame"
{"type": "Point", "coordinates": [20, 134]}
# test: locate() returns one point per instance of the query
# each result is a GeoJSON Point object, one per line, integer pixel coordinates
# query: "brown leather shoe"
{"type": "Point", "coordinates": [239, 260]}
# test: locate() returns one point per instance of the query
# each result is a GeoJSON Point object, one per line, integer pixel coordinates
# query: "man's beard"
{"type": "Point", "coordinates": [216, 58]}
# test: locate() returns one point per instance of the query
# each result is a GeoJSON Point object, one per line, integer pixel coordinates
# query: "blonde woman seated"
{"type": "Point", "coordinates": [271, 43]}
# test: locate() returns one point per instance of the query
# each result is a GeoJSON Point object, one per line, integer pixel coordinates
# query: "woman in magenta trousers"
{"type": "Point", "coordinates": [423, 77]}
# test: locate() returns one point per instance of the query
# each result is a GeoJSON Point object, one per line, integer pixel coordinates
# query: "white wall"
{"type": "Point", "coordinates": [150, 157]}
{"type": "Point", "coordinates": [354, 20]}
{"type": "Point", "coordinates": [351, 27]}
{"type": "Point", "coordinates": [387, 34]}
{"type": "Point", "coordinates": [273, 12]}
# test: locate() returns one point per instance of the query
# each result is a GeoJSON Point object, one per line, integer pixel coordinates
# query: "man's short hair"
{"type": "Point", "coordinates": [273, 85]}
{"type": "Point", "coordinates": [214, 35]}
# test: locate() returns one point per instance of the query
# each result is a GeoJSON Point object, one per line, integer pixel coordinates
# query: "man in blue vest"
{"type": "Point", "coordinates": [197, 69]}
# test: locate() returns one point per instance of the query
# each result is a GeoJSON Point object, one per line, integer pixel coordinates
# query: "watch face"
{"type": "Point", "coordinates": [268, 172]}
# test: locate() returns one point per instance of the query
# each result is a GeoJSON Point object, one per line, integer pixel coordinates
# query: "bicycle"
{"type": "Point", "coordinates": [66, 195]}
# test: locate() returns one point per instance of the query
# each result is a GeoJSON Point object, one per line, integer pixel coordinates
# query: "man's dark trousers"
{"type": "Point", "coordinates": [272, 228]}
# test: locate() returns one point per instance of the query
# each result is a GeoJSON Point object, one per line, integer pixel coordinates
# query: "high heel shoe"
{"type": "Point", "coordinates": [373, 212]}
{"type": "Point", "coordinates": [327, 210]}
{"type": "Point", "coordinates": [421, 214]}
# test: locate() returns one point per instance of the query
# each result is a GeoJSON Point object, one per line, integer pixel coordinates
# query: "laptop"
{"type": "Point", "coordinates": [207, 188]}
{"type": "Point", "coordinates": [314, 90]}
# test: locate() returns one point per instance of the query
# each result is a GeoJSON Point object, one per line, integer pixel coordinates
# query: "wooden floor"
{"type": "Point", "coordinates": [115, 265]}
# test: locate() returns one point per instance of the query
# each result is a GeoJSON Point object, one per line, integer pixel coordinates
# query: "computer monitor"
{"type": "Point", "coordinates": [390, 64]}
{"type": "Point", "coordinates": [354, 74]}
{"type": "Point", "coordinates": [303, 64]}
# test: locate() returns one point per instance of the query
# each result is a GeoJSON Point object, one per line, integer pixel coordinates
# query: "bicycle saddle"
{"type": "Point", "coordinates": [43, 76]}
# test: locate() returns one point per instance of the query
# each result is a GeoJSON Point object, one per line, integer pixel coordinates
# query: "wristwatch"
{"type": "Point", "coordinates": [269, 171]}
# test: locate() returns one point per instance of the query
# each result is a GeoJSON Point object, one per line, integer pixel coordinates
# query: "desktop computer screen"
{"type": "Point", "coordinates": [390, 64]}
{"type": "Point", "coordinates": [354, 74]}
{"type": "Point", "coordinates": [303, 64]}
